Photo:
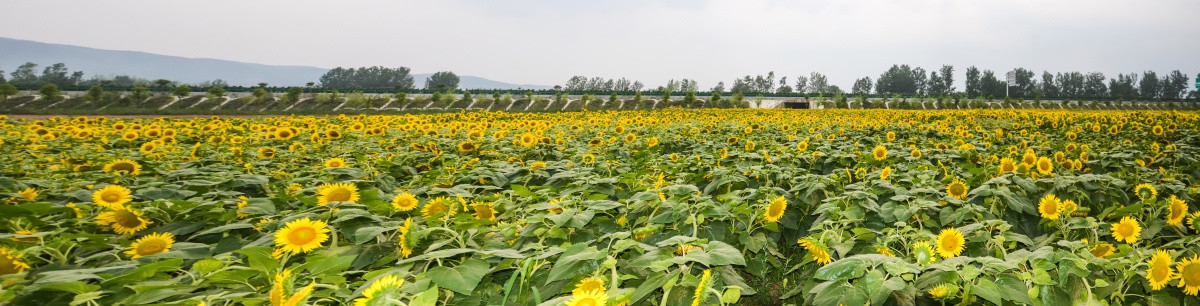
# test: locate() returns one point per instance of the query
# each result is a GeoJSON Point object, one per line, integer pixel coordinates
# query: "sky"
{"type": "Point", "coordinates": [547, 42]}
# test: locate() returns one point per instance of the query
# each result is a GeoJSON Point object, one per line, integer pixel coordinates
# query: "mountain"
{"type": "Point", "coordinates": [94, 62]}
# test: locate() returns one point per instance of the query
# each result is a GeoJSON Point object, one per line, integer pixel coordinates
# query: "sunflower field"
{"type": "Point", "coordinates": [663, 207]}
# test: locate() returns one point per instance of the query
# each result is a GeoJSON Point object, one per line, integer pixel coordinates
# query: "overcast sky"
{"type": "Point", "coordinates": [546, 42]}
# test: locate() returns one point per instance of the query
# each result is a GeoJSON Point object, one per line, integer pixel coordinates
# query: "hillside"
{"type": "Point", "coordinates": [93, 62]}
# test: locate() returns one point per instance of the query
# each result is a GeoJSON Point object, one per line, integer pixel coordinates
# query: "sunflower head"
{"type": "Point", "coordinates": [28, 194]}
{"type": "Point", "coordinates": [1007, 165]}
{"type": "Point", "coordinates": [1159, 270]}
{"type": "Point", "coordinates": [818, 251]}
{"type": "Point", "coordinates": [467, 147]}
{"type": "Point", "coordinates": [589, 284]}
{"type": "Point", "coordinates": [1178, 210]}
{"type": "Point", "coordinates": [1127, 230]}
{"type": "Point", "coordinates": [1102, 250]}
{"type": "Point", "coordinates": [1188, 272]}
{"type": "Point", "coordinates": [336, 162]}
{"type": "Point", "coordinates": [1146, 192]}
{"type": "Point", "coordinates": [885, 173]}
{"type": "Point", "coordinates": [11, 262]}
{"type": "Point", "coordinates": [923, 253]}
{"type": "Point", "coordinates": [266, 152]}
{"type": "Point", "coordinates": [111, 196]}
{"type": "Point", "coordinates": [340, 192]}
{"type": "Point", "coordinates": [440, 206]}
{"type": "Point", "coordinates": [775, 209]}
{"type": "Point", "coordinates": [957, 189]}
{"type": "Point", "coordinates": [151, 244]}
{"type": "Point", "coordinates": [588, 298]}
{"type": "Point", "coordinates": [301, 235]}
{"type": "Point", "coordinates": [123, 167]}
{"type": "Point", "coordinates": [880, 152]}
{"type": "Point", "coordinates": [124, 220]}
{"type": "Point", "coordinates": [915, 153]}
{"type": "Point", "coordinates": [382, 287]}
{"type": "Point", "coordinates": [1045, 166]}
{"type": "Point", "coordinates": [404, 202]}
{"type": "Point", "coordinates": [1050, 207]}
{"type": "Point", "coordinates": [484, 211]}
{"type": "Point", "coordinates": [943, 291]}
{"type": "Point", "coordinates": [950, 243]}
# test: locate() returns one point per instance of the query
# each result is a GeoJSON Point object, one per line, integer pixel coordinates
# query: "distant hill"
{"type": "Point", "coordinates": [93, 62]}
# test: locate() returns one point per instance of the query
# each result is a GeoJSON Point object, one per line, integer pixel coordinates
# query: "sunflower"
{"type": "Point", "coordinates": [588, 298]}
{"type": "Point", "coordinates": [537, 165]}
{"type": "Point", "coordinates": [891, 136]}
{"type": "Point", "coordinates": [438, 206]}
{"type": "Point", "coordinates": [950, 243]}
{"type": "Point", "coordinates": [1194, 221]}
{"type": "Point", "coordinates": [124, 220]}
{"type": "Point", "coordinates": [1159, 272]}
{"type": "Point", "coordinates": [589, 284]}
{"type": "Point", "coordinates": [923, 253]}
{"type": "Point", "coordinates": [1050, 207]}
{"type": "Point", "coordinates": [10, 262]}
{"type": "Point", "coordinates": [957, 189]}
{"type": "Point", "coordinates": [528, 139]}
{"type": "Point", "coordinates": [406, 248]}
{"type": "Point", "coordinates": [336, 162]}
{"type": "Point", "coordinates": [1179, 209]}
{"type": "Point", "coordinates": [885, 173]}
{"type": "Point", "coordinates": [1044, 165]}
{"type": "Point", "coordinates": [151, 244]}
{"type": "Point", "coordinates": [123, 167]}
{"type": "Point", "coordinates": [301, 236]}
{"type": "Point", "coordinates": [28, 194]}
{"type": "Point", "coordinates": [880, 152]}
{"type": "Point", "coordinates": [1069, 206]}
{"type": "Point", "coordinates": [631, 137]}
{"type": "Point", "coordinates": [404, 202]}
{"type": "Point", "coordinates": [340, 192]}
{"type": "Point", "coordinates": [266, 152]}
{"type": "Point", "coordinates": [484, 211]}
{"type": "Point", "coordinates": [802, 146]}
{"type": "Point", "coordinates": [775, 209]}
{"type": "Point", "coordinates": [652, 142]}
{"type": "Point", "coordinates": [698, 296]}
{"type": "Point", "coordinates": [1188, 272]}
{"type": "Point", "coordinates": [1007, 165]}
{"type": "Point", "coordinates": [915, 153]}
{"type": "Point", "coordinates": [1126, 230]}
{"type": "Point", "coordinates": [1029, 158]}
{"type": "Point", "coordinates": [1146, 192]}
{"type": "Point", "coordinates": [147, 148]}
{"type": "Point", "coordinates": [819, 254]}
{"type": "Point", "coordinates": [941, 291]}
{"type": "Point", "coordinates": [386, 285]}
{"type": "Point", "coordinates": [1157, 130]}
{"type": "Point", "coordinates": [111, 196]}
{"type": "Point", "coordinates": [1102, 250]}
{"type": "Point", "coordinates": [466, 147]}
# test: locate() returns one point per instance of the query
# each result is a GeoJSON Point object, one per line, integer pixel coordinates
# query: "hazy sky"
{"type": "Point", "coordinates": [546, 42]}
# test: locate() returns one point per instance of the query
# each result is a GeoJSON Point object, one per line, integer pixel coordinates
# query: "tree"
{"type": "Point", "coordinates": [897, 80]}
{"type": "Point", "coordinates": [689, 99]}
{"type": "Point", "coordinates": [862, 86]}
{"type": "Point", "coordinates": [182, 91]}
{"type": "Point", "coordinates": [94, 93]}
{"type": "Point", "coordinates": [992, 86]}
{"type": "Point", "coordinates": [919, 81]}
{"type": "Point", "coordinates": [1025, 86]}
{"type": "Point", "coordinates": [443, 80]}
{"type": "Point", "coordinates": [784, 87]}
{"type": "Point", "coordinates": [368, 77]}
{"type": "Point", "coordinates": [1122, 87]}
{"type": "Point", "coordinates": [1048, 87]}
{"type": "Point", "coordinates": [138, 94]}
{"type": "Point", "coordinates": [50, 92]}
{"type": "Point", "coordinates": [2, 80]}
{"type": "Point", "coordinates": [1094, 87]}
{"type": "Point", "coordinates": [293, 95]}
{"type": "Point", "coordinates": [715, 100]}
{"type": "Point", "coordinates": [162, 84]}
{"type": "Point", "coordinates": [802, 84]}
{"type": "Point", "coordinates": [973, 86]}
{"type": "Point", "coordinates": [7, 90]}
{"type": "Point", "coordinates": [947, 79]}
{"type": "Point", "coordinates": [719, 88]}
{"type": "Point", "coordinates": [818, 83]}
{"type": "Point", "coordinates": [25, 74]}
{"type": "Point", "coordinates": [1149, 87]}
{"type": "Point", "coordinates": [259, 94]}
{"type": "Point", "coordinates": [1174, 85]}
{"type": "Point", "coordinates": [215, 92]}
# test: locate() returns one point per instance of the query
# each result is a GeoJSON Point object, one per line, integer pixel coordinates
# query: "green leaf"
{"type": "Point", "coordinates": [988, 290]}
{"type": "Point", "coordinates": [145, 271]}
{"type": "Point", "coordinates": [429, 297]}
{"type": "Point", "coordinates": [461, 279]}
{"type": "Point", "coordinates": [841, 294]}
{"type": "Point", "coordinates": [320, 265]}
{"type": "Point", "coordinates": [652, 284]}
{"type": "Point", "coordinates": [225, 228]}
{"type": "Point", "coordinates": [575, 261]}
{"type": "Point", "coordinates": [841, 270]}
{"type": "Point", "coordinates": [721, 254]}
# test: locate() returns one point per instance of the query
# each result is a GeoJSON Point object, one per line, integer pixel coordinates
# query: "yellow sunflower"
{"type": "Point", "coordinates": [819, 254]}
{"type": "Point", "coordinates": [950, 243]}
{"type": "Point", "coordinates": [404, 202]}
{"type": "Point", "coordinates": [1007, 165]}
{"type": "Point", "coordinates": [775, 209]}
{"type": "Point", "coordinates": [528, 139]}
{"type": "Point", "coordinates": [340, 192]}
{"type": "Point", "coordinates": [588, 298]}
{"type": "Point", "coordinates": [124, 220]}
{"type": "Point", "coordinates": [885, 173]}
{"type": "Point", "coordinates": [957, 189]}
{"type": "Point", "coordinates": [1069, 206]}
{"type": "Point", "coordinates": [484, 211]}
{"type": "Point", "coordinates": [915, 153]}
{"type": "Point", "coordinates": [1146, 192]}
{"type": "Point", "coordinates": [301, 236]}
{"type": "Point", "coordinates": [923, 253]}
{"type": "Point", "coordinates": [383, 286]}
{"type": "Point", "coordinates": [589, 284]}
{"type": "Point", "coordinates": [1050, 207]}
{"type": "Point", "coordinates": [111, 196]}
{"type": "Point", "coordinates": [151, 244]}
{"type": "Point", "coordinates": [10, 262]}
{"type": "Point", "coordinates": [1044, 165]}
{"type": "Point", "coordinates": [537, 165]}
{"type": "Point", "coordinates": [1194, 221]}
{"type": "Point", "coordinates": [28, 194]}
{"type": "Point", "coordinates": [1126, 230]}
{"type": "Point", "coordinates": [466, 147]}
{"type": "Point", "coordinates": [405, 248]}
{"type": "Point", "coordinates": [335, 163]}
{"type": "Point", "coordinates": [439, 205]}
{"type": "Point", "coordinates": [1159, 272]}
{"type": "Point", "coordinates": [880, 152]}
{"type": "Point", "coordinates": [123, 167]}
{"type": "Point", "coordinates": [1102, 250]}
{"type": "Point", "coordinates": [266, 152]}
{"type": "Point", "coordinates": [1179, 209]}
{"type": "Point", "coordinates": [941, 291]}
{"type": "Point", "coordinates": [1188, 272]}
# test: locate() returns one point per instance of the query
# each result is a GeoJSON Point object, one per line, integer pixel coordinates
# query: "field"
{"type": "Point", "coordinates": [614, 207]}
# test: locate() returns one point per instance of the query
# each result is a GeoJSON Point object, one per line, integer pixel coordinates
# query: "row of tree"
{"type": "Point", "coordinates": [376, 77]}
